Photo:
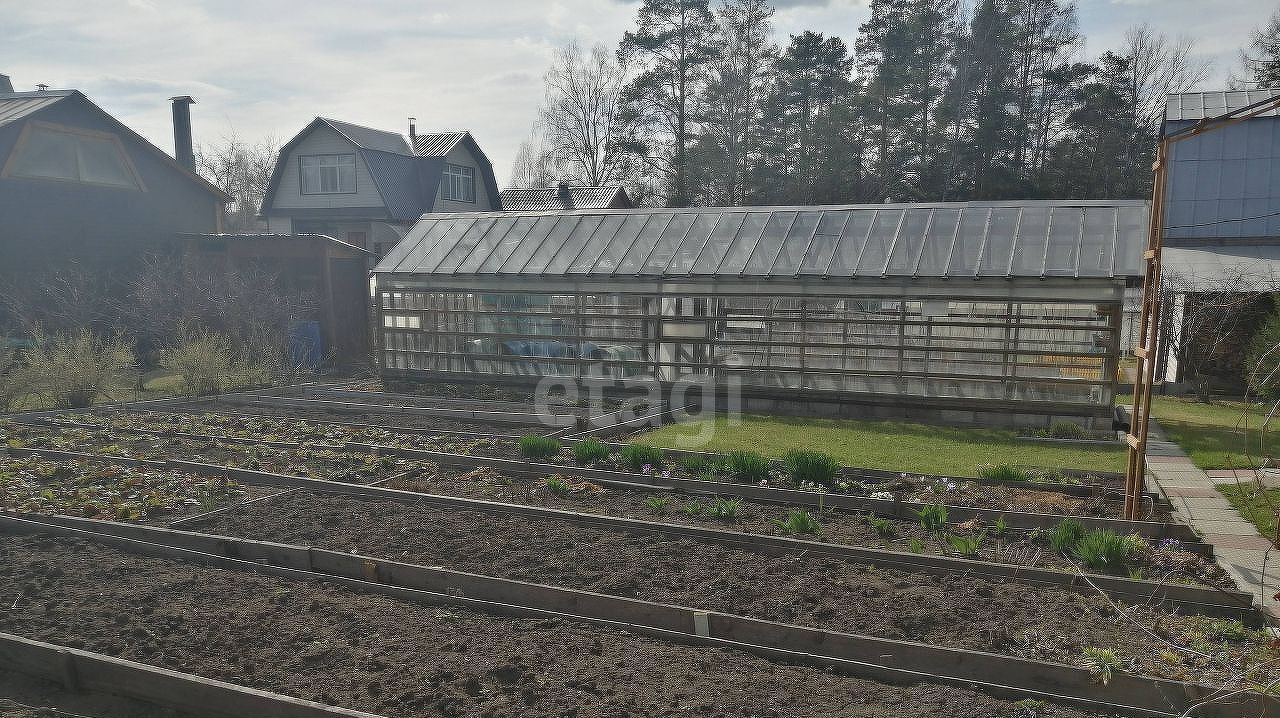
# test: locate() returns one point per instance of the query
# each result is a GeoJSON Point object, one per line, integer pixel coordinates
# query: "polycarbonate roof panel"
{"type": "Point", "coordinates": [866, 242]}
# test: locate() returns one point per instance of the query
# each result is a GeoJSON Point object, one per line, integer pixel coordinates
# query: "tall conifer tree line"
{"type": "Point", "coordinates": [929, 100]}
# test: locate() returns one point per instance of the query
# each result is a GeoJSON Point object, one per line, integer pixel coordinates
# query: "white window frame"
{"type": "Point", "coordinates": [330, 173]}
{"type": "Point", "coordinates": [458, 183]}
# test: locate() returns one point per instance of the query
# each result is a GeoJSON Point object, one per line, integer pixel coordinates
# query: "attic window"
{"type": "Point", "coordinates": [328, 174]}
{"type": "Point", "coordinates": [458, 183]}
{"type": "Point", "coordinates": [69, 154]}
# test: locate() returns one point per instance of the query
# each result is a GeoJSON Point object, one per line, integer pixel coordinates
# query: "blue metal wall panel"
{"type": "Point", "coordinates": [1225, 184]}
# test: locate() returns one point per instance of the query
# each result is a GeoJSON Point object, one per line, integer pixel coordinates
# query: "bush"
{"type": "Point", "coordinates": [1002, 472]}
{"type": "Point", "coordinates": [748, 466]}
{"type": "Point", "coordinates": [1067, 430]}
{"type": "Point", "coordinates": [590, 451]}
{"type": "Point", "coordinates": [1104, 550]}
{"type": "Point", "coordinates": [638, 456]}
{"type": "Point", "coordinates": [812, 467]}
{"type": "Point", "coordinates": [1260, 362]}
{"type": "Point", "coordinates": [534, 446]}
{"type": "Point", "coordinates": [204, 360]}
{"type": "Point", "coordinates": [1064, 537]}
{"type": "Point", "coordinates": [14, 382]}
{"type": "Point", "coordinates": [73, 369]}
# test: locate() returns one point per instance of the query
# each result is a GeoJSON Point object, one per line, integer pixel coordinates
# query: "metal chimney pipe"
{"type": "Point", "coordinates": [182, 149]}
{"type": "Point", "coordinates": [413, 130]}
{"type": "Point", "coordinates": [5, 84]}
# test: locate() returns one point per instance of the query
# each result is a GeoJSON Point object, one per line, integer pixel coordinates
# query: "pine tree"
{"type": "Point", "coordinates": [673, 43]}
{"type": "Point", "coordinates": [1261, 57]}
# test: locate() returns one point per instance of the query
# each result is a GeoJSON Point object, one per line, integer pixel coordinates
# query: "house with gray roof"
{"type": "Point", "coordinates": [564, 197]}
{"type": "Point", "coordinates": [367, 187]}
{"type": "Point", "coordinates": [80, 188]}
{"type": "Point", "coordinates": [1221, 231]}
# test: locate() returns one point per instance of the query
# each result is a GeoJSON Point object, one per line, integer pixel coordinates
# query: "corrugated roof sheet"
{"type": "Point", "coordinates": [548, 198]}
{"type": "Point", "coordinates": [17, 105]}
{"type": "Point", "coordinates": [436, 144]}
{"type": "Point", "coordinates": [370, 139]}
{"type": "Point", "coordinates": [974, 240]}
{"type": "Point", "coordinates": [1200, 105]}
{"type": "Point", "coordinates": [1231, 267]}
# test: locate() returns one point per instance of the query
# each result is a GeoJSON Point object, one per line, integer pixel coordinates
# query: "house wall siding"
{"type": "Point", "coordinates": [324, 140]}
{"type": "Point", "coordinates": [462, 156]}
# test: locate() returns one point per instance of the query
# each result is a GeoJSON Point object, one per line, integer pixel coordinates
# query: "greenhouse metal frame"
{"type": "Point", "coordinates": [998, 312]}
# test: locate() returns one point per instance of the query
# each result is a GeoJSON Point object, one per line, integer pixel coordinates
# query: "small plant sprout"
{"type": "Point", "coordinates": [637, 456]}
{"type": "Point", "coordinates": [1103, 550]}
{"type": "Point", "coordinates": [933, 517]}
{"type": "Point", "coordinates": [558, 486]}
{"type": "Point", "coordinates": [1000, 527]}
{"type": "Point", "coordinates": [811, 467]}
{"type": "Point", "coordinates": [798, 522]}
{"type": "Point", "coordinates": [884, 527]}
{"type": "Point", "coordinates": [965, 545]}
{"type": "Point", "coordinates": [1002, 472]}
{"type": "Point", "coordinates": [1064, 536]}
{"type": "Point", "coordinates": [725, 509]}
{"type": "Point", "coordinates": [533, 446]}
{"type": "Point", "coordinates": [694, 508]}
{"type": "Point", "coordinates": [916, 545]}
{"type": "Point", "coordinates": [657, 504]}
{"type": "Point", "coordinates": [1101, 662]}
{"type": "Point", "coordinates": [590, 451]}
{"type": "Point", "coordinates": [748, 467]}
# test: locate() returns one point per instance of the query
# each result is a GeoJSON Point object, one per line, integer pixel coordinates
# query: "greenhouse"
{"type": "Point", "coordinates": [980, 312]}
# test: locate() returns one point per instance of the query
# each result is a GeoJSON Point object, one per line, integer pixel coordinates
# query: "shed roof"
{"type": "Point", "coordinates": [1081, 239]}
{"type": "Point", "coordinates": [1200, 105]}
{"type": "Point", "coordinates": [539, 199]}
{"type": "Point", "coordinates": [1217, 267]}
{"type": "Point", "coordinates": [261, 237]}
{"type": "Point", "coordinates": [368, 138]}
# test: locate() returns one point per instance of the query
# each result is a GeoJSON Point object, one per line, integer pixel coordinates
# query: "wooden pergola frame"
{"type": "Point", "coordinates": [1149, 323]}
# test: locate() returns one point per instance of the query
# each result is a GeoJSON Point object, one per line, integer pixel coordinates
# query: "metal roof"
{"type": "Point", "coordinates": [975, 240]}
{"type": "Point", "coordinates": [1221, 267]}
{"type": "Point", "coordinates": [1200, 105]}
{"type": "Point", "coordinates": [367, 138]}
{"type": "Point", "coordinates": [17, 105]}
{"type": "Point", "coordinates": [436, 144]}
{"type": "Point", "coordinates": [250, 237]}
{"type": "Point", "coordinates": [548, 198]}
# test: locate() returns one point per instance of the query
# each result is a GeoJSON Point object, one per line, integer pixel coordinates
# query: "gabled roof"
{"type": "Point", "coordinates": [437, 144]}
{"type": "Point", "coordinates": [367, 138]}
{"type": "Point", "coordinates": [548, 198]}
{"type": "Point", "coordinates": [1192, 106]}
{"type": "Point", "coordinates": [15, 106]}
{"type": "Point", "coordinates": [960, 240]}
{"type": "Point", "coordinates": [408, 182]}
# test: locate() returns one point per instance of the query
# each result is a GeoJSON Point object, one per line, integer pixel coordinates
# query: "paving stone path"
{"type": "Point", "coordinates": [1250, 558]}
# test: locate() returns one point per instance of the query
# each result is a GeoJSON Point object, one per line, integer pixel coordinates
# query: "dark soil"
{"type": "Point", "coordinates": [956, 493]}
{"type": "Point", "coordinates": [396, 658]}
{"type": "Point", "coordinates": [407, 420]}
{"type": "Point", "coordinates": [25, 697]}
{"type": "Point", "coordinates": [836, 526]}
{"type": "Point", "coordinates": [953, 610]}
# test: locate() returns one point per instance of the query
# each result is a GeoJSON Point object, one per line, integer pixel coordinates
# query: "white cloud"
{"type": "Point", "coordinates": [268, 67]}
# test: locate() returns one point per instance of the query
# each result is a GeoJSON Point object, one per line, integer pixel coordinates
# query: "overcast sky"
{"type": "Point", "coordinates": [267, 67]}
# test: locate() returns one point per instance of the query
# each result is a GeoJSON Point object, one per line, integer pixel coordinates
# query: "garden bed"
{"type": "Point", "coordinates": [340, 647]}
{"type": "Point", "coordinates": [988, 494]}
{"type": "Point", "coordinates": [951, 610]}
{"type": "Point", "coordinates": [114, 492]}
{"type": "Point", "coordinates": [25, 697]}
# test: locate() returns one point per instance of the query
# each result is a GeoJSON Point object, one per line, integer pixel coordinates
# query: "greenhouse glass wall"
{"type": "Point", "coordinates": [969, 312]}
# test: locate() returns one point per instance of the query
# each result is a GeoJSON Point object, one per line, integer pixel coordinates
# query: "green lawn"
{"type": "Point", "coordinates": [1254, 505]}
{"type": "Point", "coordinates": [1211, 434]}
{"type": "Point", "coordinates": [892, 445]}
